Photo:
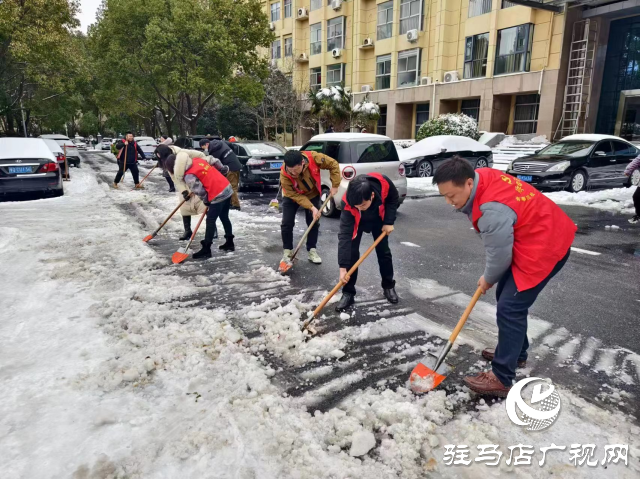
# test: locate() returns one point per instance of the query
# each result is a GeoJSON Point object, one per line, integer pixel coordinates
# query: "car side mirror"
{"type": "Point", "coordinates": [600, 153]}
{"type": "Point", "coordinates": [443, 150]}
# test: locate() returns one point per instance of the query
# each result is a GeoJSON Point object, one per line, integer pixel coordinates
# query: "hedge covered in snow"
{"type": "Point", "coordinates": [449, 124]}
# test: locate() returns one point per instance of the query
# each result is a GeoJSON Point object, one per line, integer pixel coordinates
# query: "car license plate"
{"type": "Point", "coordinates": [527, 178]}
{"type": "Point", "coordinates": [276, 165]}
{"type": "Point", "coordinates": [19, 169]}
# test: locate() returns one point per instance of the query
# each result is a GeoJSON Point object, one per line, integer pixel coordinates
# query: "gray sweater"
{"type": "Point", "coordinates": [496, 230]}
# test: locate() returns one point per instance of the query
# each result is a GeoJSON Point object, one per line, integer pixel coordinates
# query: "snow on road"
{"type": "Point", "coordinates": [618, 200]}
{"type": "Point", "coordinates": [109, 369]}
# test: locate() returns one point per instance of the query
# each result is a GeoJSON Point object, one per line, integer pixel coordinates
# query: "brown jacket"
{"type": "Point", "coordinates": [306, 183]}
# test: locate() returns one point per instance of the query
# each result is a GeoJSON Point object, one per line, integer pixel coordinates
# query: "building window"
{"type": "Point", "coordinates": [382, 121]}
{"type": "Point", "coordinates": [275, 12]}
{"type": "Point", "coordinates": [525, 117]}
{"type": "Point", "coordinates": [479, 7]}
{"type": "Point", "coordinates": [335, 74]}
{"type": "Point", "coordinates": [508, 4]}
{"type": "Point", "coordinates": [287, 8]}
{"type": "Point", "coordinates": [288, 47]}
{"type": "Point", "coordinates": [471, 108]}
{"type": "Point", "coordinates": [475, 56]}
{"type": "Point", "coordinates": [422, 116]}
{"type": "Point", "coordinates": [410, 14]}
{"type": "Point", "coordinates": [275, 50]}
{"type": "Point", "coordinates": [383, 72]}
{"type": "Point", "coordinates": [385, 20]}
{"type": "Point", "coordinates": [514, 49]}
{"type": "Point", "coordinates": [315, 4]}
{"type": "Point", "coordinates": [335, 31]}
{"type": "Point", "coordinates": [316, 38]}
{"type": "Point", "coordinates": [408, 68]}
{"type": "Point", "coordinates": [315, 79]}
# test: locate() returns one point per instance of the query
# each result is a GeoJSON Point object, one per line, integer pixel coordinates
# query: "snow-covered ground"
{"type": "Point", "coordinates": [109, 370]}
{"type": "Point", "coordinates": [618, 200]}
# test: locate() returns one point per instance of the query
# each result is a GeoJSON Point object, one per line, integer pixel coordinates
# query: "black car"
{"type": "Point", "coordinates": [261, 162]}
{"type": "Point", "coordinates": [577, 162]}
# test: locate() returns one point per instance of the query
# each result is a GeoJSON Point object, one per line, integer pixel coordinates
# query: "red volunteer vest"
{"type": "Point", "coordinates": [213, 181]}
{"type": "Point", "coordinates": [314, 169]}
{"type": "Point", "coordinates": [135, 148]}
{"type": "Point", "coordinates": [356, 212]}
{"type": "Point", "coordinates": [543, 233]}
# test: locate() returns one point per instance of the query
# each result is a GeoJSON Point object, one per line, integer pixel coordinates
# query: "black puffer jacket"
{"type": "Point", "coordinates": [219, 149]}
{"type": "Point", "coordinates": [132, 150]}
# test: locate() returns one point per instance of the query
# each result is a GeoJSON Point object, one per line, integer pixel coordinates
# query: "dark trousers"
{"type": "Point", "coordinates": [218, 210]}
{"type": "Point", "coordinates": [636, 200]}
{"type": "Point", "coordinates": [132, 167]}
{"type": "Point", "coordinates": [512, 312]}
{"type": "Point", "coordinates": [289, 210]}
{"type": "Point", "coordinates": [167, 176]}
{"type": "Point", "coordinates": [385, 260]}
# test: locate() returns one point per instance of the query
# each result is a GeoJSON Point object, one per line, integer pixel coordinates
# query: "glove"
{"type": "Point", "coordinates": [224, 170]}
{"type": "Point", "coordinates": [185, 194]}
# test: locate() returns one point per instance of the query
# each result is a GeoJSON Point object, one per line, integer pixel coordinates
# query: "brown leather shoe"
{"type": "Point", "coordinates": [489, 353]}
{"type": "Point", "coordinates": [488, 384]}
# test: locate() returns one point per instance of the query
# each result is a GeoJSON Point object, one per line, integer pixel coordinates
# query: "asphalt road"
{"type": "Point", "coordinates": [583, 329]}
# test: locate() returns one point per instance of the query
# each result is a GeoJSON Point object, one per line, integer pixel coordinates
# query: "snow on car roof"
{"type": "Point", "coordinates": [591, 137]}
{"type": "Point", "coordinates": [53, 145]}
{"type": "Point", "coordinates": [348, 137]}
{"type": "Point", "coordinates": [433, 145]}
{"type": "Point", "coordinates": [55, 137]}
{"type": "Point", "coordinates": [11, 148]}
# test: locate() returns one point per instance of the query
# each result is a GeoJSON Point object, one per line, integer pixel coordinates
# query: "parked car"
{"type": "Point", "coordinates": [68, 146]}
{"type": "Point", "coordinates": [138, 139]}
{"type": "Point", "coordinates": [105, 144]}
{"type": "Point", "coordinates": [27, 165]}
{"type": "Point", "coordinates": [261, 162]}
{"type": "Point", "coordinates": [424, 158]}
{"type": "Point", "coordinates": [80, 142]}
{"type": "Point", "coordinates": [577, 162]}
{"type": "Point", "coordinates": [56, 150]}
{"type": "Point", "coordinates": [148, 146]}
{"type": "Point", "coordinates": [358, 154]}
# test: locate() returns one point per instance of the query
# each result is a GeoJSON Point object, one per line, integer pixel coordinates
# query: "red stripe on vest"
{"type": "Point", "coordinates": [213, 181]}
{"type": "Point", "coordinates": [314, 169]}
{"type": "Point", "coordinates": [543, 233]}
{"type": "Point", "coordinates": [384, 184]}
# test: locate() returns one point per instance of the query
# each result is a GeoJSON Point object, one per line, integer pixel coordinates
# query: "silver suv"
{"type": "Point", "coordinates": [358, 154]}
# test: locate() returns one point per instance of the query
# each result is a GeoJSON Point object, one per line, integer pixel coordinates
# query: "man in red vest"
{"type": "Point", "coordinates": [527, 239]}
{"type": "Point", "coordinates": [370, 206]}
{"type": "Point", "coordinates": [301, 186]}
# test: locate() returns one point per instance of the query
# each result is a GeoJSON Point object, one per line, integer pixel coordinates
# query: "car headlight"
{"type": "Point", "coordinates": [563, 165]}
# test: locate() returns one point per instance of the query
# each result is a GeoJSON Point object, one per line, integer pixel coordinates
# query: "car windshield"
{"type": "Point", "coordinates": [568, 148]}
{"type": "Point", "coordinates": [263, 149]}
{"type": "Point", "coordinates": [147, 143]}
{"type": "Point", "coordinates": [374, 151]}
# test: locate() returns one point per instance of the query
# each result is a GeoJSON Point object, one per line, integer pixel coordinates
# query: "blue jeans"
{"type": "Point", "coordinates": [512, 312]}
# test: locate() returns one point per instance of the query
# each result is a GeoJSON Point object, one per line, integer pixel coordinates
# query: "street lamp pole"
{"type": "Point", "coordinates": [24, 125]}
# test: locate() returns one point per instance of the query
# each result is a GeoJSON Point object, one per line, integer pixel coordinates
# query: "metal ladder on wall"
{"type": "Point", "coordinates": [577, 92]}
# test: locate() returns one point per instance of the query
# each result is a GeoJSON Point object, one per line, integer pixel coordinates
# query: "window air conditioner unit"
{"type": "Point", "coordinates": [412, 35]}
{"type": "Point", "coordinates": [272, 26]}
{"type": "Point", "coordinates": [336, 4]}
{"type": "Point", "coordinates": [336, 52]}
{"type": "Point", "coordinates": [303, 57]}
{"type": "Point", "coordinates": [368, 42]}
{"type": "Point", "coordinates": [303, 13]}
{"type": "Point", "coordinates": [425, 81]}
{"type": "Point", "coordinates": [366, 88]}
{"type": "Point", "coordinates": [451, 76]}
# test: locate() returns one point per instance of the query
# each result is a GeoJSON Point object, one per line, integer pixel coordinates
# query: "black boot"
{"type": "Point", "coordinates": [228, 246]}
{"type": "Point", "coordinates": [205, 252]}
{"type": "Point", "coordinates": [346, 301]}
{"type": "Point", "coordinates": [391, 295]}
{"type": "Point", "coordinates": [186, 222]}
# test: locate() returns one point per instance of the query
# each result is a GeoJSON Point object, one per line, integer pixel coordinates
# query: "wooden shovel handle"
{"type": "Point", "coordinates": [147, 175]}
{"type": "Point", "coordinates": [171, 214]}
{"type": "Point", "coordinates": [350, 272]}
{"type": "Point", "coordinates": [193, 235]}
{"type": "Point", "coordinates": [465, 315]}
{"type": "Point", "coordinates": [306, 233]}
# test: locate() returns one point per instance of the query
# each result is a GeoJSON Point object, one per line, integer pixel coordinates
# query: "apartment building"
{"type": "Point", "coordinates": [516, 66]}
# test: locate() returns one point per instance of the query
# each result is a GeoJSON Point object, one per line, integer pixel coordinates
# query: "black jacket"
{"type": "Point", "coordinates": [368, 218]}
{"type": "Point", "coordinates": [219, 149]}
{"type": "Point", "coordinates": [132, 152]}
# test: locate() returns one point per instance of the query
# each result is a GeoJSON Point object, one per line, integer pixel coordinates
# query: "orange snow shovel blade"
{"type": "Point", "coordinates": [432, 370]}
{"type": "Point", "coordinates": [147, 238]}
{"type": "Point", "coordinates": [183, 253]}
{"type": "Point", "coordinates": [285, 266]}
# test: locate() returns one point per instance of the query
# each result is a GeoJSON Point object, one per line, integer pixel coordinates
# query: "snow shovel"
{"type": "Point", "coordinates": [316, 313]}
{"type": "Point", "coordinates": [432, 370]}
{"type": "Point", "coordinates": [124, 163]}
{"type": "Point", "coordinates": [153, 235]}
{"type": "Point", "coordinates": [274, 202]}
{"type": "Point", "coordinates": [285, 266]}
{"type": "Point", "coordinates": [144, 177]}
{"type": "Point", "coordinates": [183, 253]}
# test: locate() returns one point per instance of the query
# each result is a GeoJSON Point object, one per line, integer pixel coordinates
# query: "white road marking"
{"type": "Point", "coordinates": [585, 251]}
